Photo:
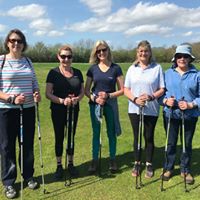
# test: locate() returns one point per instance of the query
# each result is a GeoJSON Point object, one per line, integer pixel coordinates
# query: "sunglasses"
{"type": "Point", "coordinates": [101, 50]}
{"type": "Point", "coordinates": [19, 41]}
{"type": "Point", "coordinates": [179, 56]}
{"type": "Point", "coordinates": [66, 56]}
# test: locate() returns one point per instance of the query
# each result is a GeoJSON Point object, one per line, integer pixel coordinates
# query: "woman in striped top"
{"type": "Point", "coordinates": [18, 88]}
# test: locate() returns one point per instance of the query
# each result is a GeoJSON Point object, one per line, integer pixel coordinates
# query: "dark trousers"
{"type": "Point", "coordinates": [60, 118]}
{"type": "Point", "coordinates": [9, 131]}
{"type": "Point", "coordinates": [149, 127]}
{"type": "Point", "coordinates": [175, 127]}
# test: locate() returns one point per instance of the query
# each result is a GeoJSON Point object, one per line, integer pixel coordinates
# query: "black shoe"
{"type": "Point", "coordinates": [113, 166]}
{"type": "Point", "coordinates": [72, 170]}
{"type": "Point", "coordinates": [10, 192]}
{"type": "Point", "coordinates": [59, 172]}
{"type": "Point", "coordinates": [32, 184]}
{"type": "Point", "coordinates": [93, 167]}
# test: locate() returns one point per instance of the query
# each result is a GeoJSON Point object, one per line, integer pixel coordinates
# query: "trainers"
{"type": "Point", "coordinates": [136, 170]}
{"type": "Point", "coordinates": [113, 166]}
{"type": "Point", "coordinates": [59, 172]}
{"type": "Point", "coordinates": [166, 176]}
{"type": "Point", "coordinates": [32, 184]}
{"type": "Point", "coordinates": [189, 178]}
{"type": "Point", "coordinates": [72, 170]}
{"type": "Point", "coordinates": [93, 167]}
{"type": "Point", "coordinates": [10, 192]}
{"type": "Point", "coordinates": [149, 171]}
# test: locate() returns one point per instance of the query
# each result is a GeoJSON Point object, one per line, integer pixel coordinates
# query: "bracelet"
{"type": "Point", "coordinates": [134, 99]}
{"type": "Point", "coordinates": [11, 100]}
{"type": "Point", "coordinates": [194, 105]}
{"type": "Point", "coordinates": [151, 98]}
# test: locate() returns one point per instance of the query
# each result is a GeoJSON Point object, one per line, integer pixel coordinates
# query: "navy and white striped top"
{"type": "Point", "coordinates": [17, 76]}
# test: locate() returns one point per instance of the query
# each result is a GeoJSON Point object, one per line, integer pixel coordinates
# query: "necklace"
{"type": "Point", "coordinates": [66, 73]}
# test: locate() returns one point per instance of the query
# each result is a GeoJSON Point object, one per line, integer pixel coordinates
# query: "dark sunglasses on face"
{"type": "Point", "coordinates": [19, 41]}
{"type": "Point", "coordinates": [103, 50]}
{"type": "Point", "coordinates": [66, 56]}
{"type": "Point", "coordinates": [179, 56]}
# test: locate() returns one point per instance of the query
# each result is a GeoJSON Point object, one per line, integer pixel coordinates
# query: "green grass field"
{"type": "Point", "coordinates": [116, 187]}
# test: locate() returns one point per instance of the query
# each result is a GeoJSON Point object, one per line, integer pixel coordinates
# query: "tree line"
{"type": "Point", "coordinates": [39, 52]}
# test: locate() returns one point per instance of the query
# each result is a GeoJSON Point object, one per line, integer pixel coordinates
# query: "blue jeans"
{"type": "Point", "coordinates": [9, 132]}
{"type": "Point", "coordinates": [96, 126]}
{"type": "Point", "coordinates": [185, 159]}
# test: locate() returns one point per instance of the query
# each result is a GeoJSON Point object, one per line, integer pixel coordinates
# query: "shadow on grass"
{"type": "Point", "coordinates": [125, 163]}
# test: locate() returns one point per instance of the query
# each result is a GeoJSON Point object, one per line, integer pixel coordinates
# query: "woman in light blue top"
{"type": "Point", "coordinates": [181, 100]}
{"type": "Point", "coordinates": [144, 83]}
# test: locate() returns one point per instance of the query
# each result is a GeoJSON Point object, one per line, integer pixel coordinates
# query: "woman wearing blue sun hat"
{"type": "Point", "coordinates": [181, 103]}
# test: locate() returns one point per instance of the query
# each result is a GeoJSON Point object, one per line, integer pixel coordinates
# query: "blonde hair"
{"type": "Point", "coordinates": [145, 44]}
{"type": "Point", "coordinates": [93, 55]}
{"type": "Point", "coordinates": [66, 48]}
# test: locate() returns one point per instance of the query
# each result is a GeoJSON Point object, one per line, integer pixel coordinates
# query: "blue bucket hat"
{"type": "Point", "coordinates": [184, 49]}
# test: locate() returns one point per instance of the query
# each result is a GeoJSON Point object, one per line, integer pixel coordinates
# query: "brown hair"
{"type": "Point", "coordinates": [66, 48]}
{"type": "Point", "coordinates": [20, 34]}
{"type": "Point", "coordinates": [146, 44]}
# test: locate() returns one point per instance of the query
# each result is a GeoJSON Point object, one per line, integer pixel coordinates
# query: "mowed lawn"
{"type": "Point", "coordinates": [108, 186]}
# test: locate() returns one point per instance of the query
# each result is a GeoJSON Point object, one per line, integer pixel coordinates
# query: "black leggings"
{"type": "Point", "coordinates": [61, 121]}
{"type": "Point", "coordinates": [149, 127]}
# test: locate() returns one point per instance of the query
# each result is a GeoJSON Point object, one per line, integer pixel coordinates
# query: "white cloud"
{"type": "Point", "coordinates": [2, 28]}
{"type": "Point", "coordinates": [40, 33]}
{"type": "Point", "coordinates": [29, 12]}
{"type": "Point", "coordinates": [99, 7]}
{"type": "Point", "coordinates": [189, 18]}
{"type": "Point", "coordinates": [144, 13]}
{"type": "Point", "coordinates": [151, 18]}
{"type": "Point", "coordinates": [55, 33]}
{"type": "Point", "coordinates": [149, 29]}
{"type": "Point", "coordinates": [41, 24]}
{"type": "Point", "coordinates": [189, 33]}
{"type": "Point", "coordinates": [90, 24]}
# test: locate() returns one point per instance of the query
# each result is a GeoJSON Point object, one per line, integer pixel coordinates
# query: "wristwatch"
{"type": "Point", "coordinates": [11, 100]}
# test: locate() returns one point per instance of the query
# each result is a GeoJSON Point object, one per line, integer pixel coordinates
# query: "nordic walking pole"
{"type": "Point", "coordinates": [183, 146]}
{"type": "Point", "coordinates": [69, 148]}
{"type": "Point", "coordinates": [100, 142]}
{"type": "Point", "coordinates": [139, 146]}
{"type": "Point", "coordinates": [166, 144]}
{"type": "Point", "coordinates": [66, 135]}
{"type": "Point", "coordinates": [40, 145]}
{"type": "Point", "coordinates": [69, 143]}
{"type": "Point", "coordinates": [21, 147]}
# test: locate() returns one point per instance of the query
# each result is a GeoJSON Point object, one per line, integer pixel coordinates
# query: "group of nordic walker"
{"type": "Point", "coordinates": [145, 86]}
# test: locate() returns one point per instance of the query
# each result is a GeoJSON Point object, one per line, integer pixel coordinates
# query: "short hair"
{"type": "Point", "coordinates": [146, 44]}
{"type": "Point", "coordinates": [65, 47]}
{"type": "Point", "coordinates": [93, 56]}
{"type": "Point", "coordinates": [20, 34]}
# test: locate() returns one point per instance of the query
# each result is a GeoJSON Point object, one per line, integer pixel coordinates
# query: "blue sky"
{"type": "Point", "coordinates": [122, 23]}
